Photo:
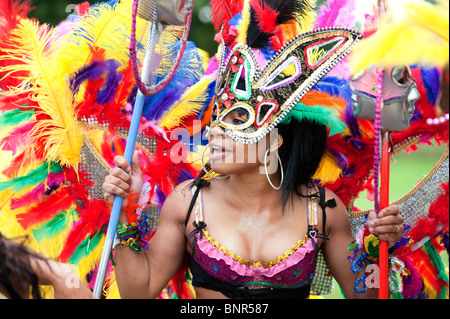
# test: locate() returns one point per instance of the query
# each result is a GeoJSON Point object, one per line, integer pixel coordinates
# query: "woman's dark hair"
{"type": "Point", "coordinates": [303, 146]}
{"type": "Point", "coordinates": [15, 264]}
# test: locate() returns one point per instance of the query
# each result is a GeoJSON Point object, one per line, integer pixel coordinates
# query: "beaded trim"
{"type": "Point", "coordinates": [251, 263]}
{"type": "Point", "coordinates": [312, 217]}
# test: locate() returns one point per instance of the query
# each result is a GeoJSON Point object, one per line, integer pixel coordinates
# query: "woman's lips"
{"type": "Point", "coordinates": [218, 153]}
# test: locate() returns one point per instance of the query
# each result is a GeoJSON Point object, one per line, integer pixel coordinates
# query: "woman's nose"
{"type": "Point", "coordinates": [216, 132]}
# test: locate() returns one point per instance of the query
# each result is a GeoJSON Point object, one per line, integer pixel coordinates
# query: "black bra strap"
{"type": "Point", "coordinates": [330, 203]}
{"type": "Point", "coordinates": [199, 182]}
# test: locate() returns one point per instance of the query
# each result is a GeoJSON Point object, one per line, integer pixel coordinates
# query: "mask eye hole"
{"type": "Point", "coordinates": [241, 86]}
{"type": "Point", "coordinates": [285, 74]}
{"type": "Point", "coordinates": [401, 76]}
{"type": "Point", "coordinates": [215, 113]}
{"type": "Point", "coordinates": [318, 53]}
{"type": "Point", "coordinates": [264, 110]}
{"type": "Point", "coordinates": [239, 116]}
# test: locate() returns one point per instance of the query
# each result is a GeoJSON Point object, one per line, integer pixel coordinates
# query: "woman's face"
{"type": "Point", "coordinates": [228, 157]}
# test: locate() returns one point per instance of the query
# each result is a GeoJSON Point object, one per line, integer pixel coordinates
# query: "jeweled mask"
{"type": "Point", "coordinates": [250, 102]}
{"type": "Point", "coordinates": [400, 93]}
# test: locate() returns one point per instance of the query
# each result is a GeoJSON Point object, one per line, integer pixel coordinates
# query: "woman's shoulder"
{"type": "Point", "coordinates": [179, 199]}
{"type": "Point", "coordinates": [330, 195]}
{"type": "Point", "coordinates": [181, 192]}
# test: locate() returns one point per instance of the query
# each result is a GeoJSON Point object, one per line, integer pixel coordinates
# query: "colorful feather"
{"type": "Point", "coordinates": [17, 138]}
{"type": "Point", "coordinates": [223, 10]}
{"type": "Point", "coordinates": [43, 211]}
{"type": "Point", "coordinates": [191, 102]}
{"type": "Point", "coordinates": [33, 177]}
{"type": "Point", "coordinates": [57, 127]}
{"type": "Point", "coordinates": [14, 118]}
{"type": "Point", "coordinates": [244, 23]}
{"type": "Point", "coordinates": [107, 26]}
{"type": "Point", "coordinates": [420, 36]}
{"type": "Point", "coordinates": [334, 13]}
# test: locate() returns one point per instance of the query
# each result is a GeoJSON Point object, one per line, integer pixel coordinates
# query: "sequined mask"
{"type": "Point", "coordinates": [400, 93]}
{"type": "Point", "coordinates": [250, 102]}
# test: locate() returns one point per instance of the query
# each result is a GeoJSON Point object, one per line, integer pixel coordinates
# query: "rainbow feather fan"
{"type": "Point", "coordinates": [65, 121]}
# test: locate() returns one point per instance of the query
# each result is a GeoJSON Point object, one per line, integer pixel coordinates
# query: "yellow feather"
{"type": "Point", "coordinates": [105, 27]}
{"type": "Point", "coordinates": [308, 20]}
{"type": "Point", "coordinates": [420, 36]}
{"type": "Point", "coordinates": [91, 260]}
{"type": "Point", "coordinates": [190, 103]}
{"type": "Point", "coordinates": [328, 171]}
{"type": "Point", "coordinates": [63, 137]}
{"type": "Point", "coordinates": [244, 23]}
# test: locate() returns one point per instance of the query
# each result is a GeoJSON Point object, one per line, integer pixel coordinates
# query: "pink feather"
{"type": "Point", "coordinates": [336, 13]}
{"type": "Point", "coordinates": [36, 195]}
{"type": "Point", "coordinates": [17, 137]}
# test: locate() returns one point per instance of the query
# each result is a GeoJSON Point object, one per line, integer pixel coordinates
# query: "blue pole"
{"type": "Point", "coordinates": [117, 205]}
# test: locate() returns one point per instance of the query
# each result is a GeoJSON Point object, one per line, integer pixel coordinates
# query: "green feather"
{"type": "Point", "coordinates": [436, 259]}
{"type": "Point", "coordinates": [55, 226]}
{"type": "Point", "coordinates": [34, 177]}
{"type": "Point", "coordinates": [320, 114]}
{"type": "Point", "coordinates": [14, 117]}
{"type": "Point", "coordinates": [85, 248]}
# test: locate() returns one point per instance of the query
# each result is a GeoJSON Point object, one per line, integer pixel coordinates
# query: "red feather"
{"type": "Point", "coordinates": [36, 195]}
{"type": "Point", "coordinates": [93, 218]}
{"type": "Point", "coordinates": [11, 12]}
{"type": "Point", "coordinates": [59, 200]}
{"type": "Point", "coordinates": [265, 15]}
{"type": "Point", "coordinates": [13, 102]}
{"type": "Point", "coordinates": [224, 10]}
{"type": "Point", "coordinates": [25, 159]}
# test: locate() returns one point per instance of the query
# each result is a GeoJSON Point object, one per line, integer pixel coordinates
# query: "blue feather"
{"type": "Point", "coordinates": [334, 86]}
{"type": "Point", "coordinates": [431, 80]}
{"type": "Point", "coordinates": [112, 81]}
{"type": "Point", "coordinates": [92, 71]}
{"type": "Point", "coordinates": [187, 74]}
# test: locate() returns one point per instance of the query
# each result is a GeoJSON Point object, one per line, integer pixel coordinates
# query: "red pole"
{"type": "Point", "coordinates": [383, 292]}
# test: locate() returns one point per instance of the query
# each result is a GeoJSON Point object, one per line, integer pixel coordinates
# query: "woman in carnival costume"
{"type": "Point", "coordinates": [254, 221]}
{"type": "Point", "coordinates": [65, 102]}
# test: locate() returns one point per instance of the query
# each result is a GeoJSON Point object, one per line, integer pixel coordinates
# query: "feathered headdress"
{"type": "Point", "coordinates": [264, 74]}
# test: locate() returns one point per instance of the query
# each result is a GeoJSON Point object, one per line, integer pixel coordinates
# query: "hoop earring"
{"type": "Point", "coordinates": [205, 169]}
{"type": "Point", "coordinates": [267, 173]}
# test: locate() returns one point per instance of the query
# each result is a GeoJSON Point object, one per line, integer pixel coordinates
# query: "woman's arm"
{"type": "Point", "coordinates": [336, 250]}
{"type": "Point", "coordinates": [144, 275]}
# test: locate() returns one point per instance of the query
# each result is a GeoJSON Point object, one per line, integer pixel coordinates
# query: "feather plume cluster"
{"type": "Point", "coordinates": [419, 35]}
{"type": "Point", "coordinates": [57, 131]}
{"type": "Point", "coordinates": [268, 18]}
{"type": "Point", "coordinates": [73, 98]}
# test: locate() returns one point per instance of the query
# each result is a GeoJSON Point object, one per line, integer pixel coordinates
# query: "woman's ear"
{"type": "Point", "coordinates": [276, 143]}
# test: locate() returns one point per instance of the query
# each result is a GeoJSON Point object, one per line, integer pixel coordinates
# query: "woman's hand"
{"type": "Point", "coordinates": [387, 225]}
{"type": "Point", "coordinates": [123, 179]}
